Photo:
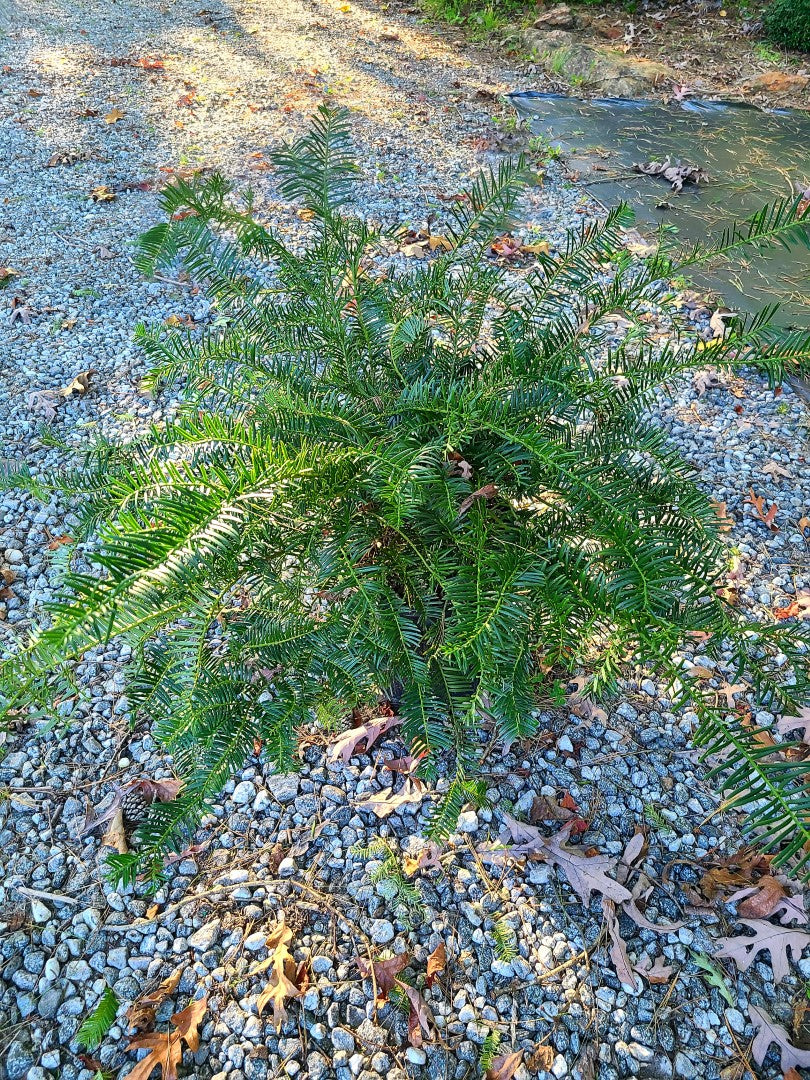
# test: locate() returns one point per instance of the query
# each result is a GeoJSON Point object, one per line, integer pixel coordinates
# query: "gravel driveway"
{"type": "Point", "coordinates": [99, 105]}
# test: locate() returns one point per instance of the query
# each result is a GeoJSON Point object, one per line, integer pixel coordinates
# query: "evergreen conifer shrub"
{"type": "Point", "coordinates": [436, 486]}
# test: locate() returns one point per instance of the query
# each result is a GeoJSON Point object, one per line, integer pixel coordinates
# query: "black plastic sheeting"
{"type": "Point", "coordinates": [752, 157]}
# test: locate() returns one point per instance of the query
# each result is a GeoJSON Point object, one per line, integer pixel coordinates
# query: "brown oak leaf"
{"type": "Point", "coordinates": [654, 971]}
{"type": "Point", "coordinates": [166, 1049]}
{"type": "Point", "coordinates": [428, 858]}
{"type": "Point", "coordinates": [283, 980]}
{"type": "Point", "coordinates": [346, 744]}
{"type": "Point", "coordinates": [386, 802]}
{"type": "Point", "coordinates": [777, 940]}
{"type": "Point", "coordinates": [141, 1013]}
{"type": "Point", "coordinates": [801, 723]}
{"type": "Point", "coordinates": [768, 1031]}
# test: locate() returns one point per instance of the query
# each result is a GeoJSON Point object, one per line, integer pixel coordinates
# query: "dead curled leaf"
{"type": "Point", "coordinates": [655, 971]}
{"type": "Point", "coordinates": [798, 608]}
{"type": "Point", "coordinates": [789, 724]}
{"type": "Point", "coordinates": [505, 1066]}
{"type": "Point", "coordinates": [141, 1013]}
{"type": "Point", "coordinates": [765, 516]}
{"type": "Point", "coordinates": [768, 1032]}
{"type": "Point", "coordinates": [488, 491]}
{"type": "Point", "coordinates": [387, 801]}
{"type": "Point", "coordinates": [436, 963]}
{"type": "Point", "coordinates": [618, 949]}
{"type": "Point", "coordinates": [420, 1018]}
{"type": "Point", "coordinates": [346, 744]}
{"type": "Point", "coordinates": [152, 790]}
{"type": "Point", "coordinates": [541, 1058]}
{"type": "Point", "coordinates": [708, 379]}
{"type": "Point", "coordinates": [777, 940]}
{"type": "Point", "coordinates": [101, 194]}
{"type": "Point", "coordinates": [166, 1047]}
{"type": "Point", "coordinates": [284, 975]}
{"type": "Point", "coordinates": [428, 858]}
{"type": "Point", "coordinates": [676, 174]}
{"type": "Point", "coordinates": [116, 836]}
{"type": "Point", "coordinates": [385, 973]}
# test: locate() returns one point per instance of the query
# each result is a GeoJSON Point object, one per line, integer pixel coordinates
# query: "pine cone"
{"type": "Point", "coordinates": [134, 805]}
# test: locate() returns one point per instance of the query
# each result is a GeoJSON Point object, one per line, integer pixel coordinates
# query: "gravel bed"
{"type": "Point", "coordinates": [234, 81]}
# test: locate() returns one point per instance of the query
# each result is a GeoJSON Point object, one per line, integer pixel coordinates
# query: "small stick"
{"type": "Point", "coordinates": [172, 281]}
{"type": "Point", "coordinates": [40, 894]}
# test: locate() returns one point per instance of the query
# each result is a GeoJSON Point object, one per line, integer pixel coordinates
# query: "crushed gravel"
{"type": "Point", "coordinates": [233, 81]}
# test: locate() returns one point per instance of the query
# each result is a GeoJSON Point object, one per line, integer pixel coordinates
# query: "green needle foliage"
{"type": "Point", "coordinates": [431, 486]}
{"type": "Point", "coordinates": [95, 1026]}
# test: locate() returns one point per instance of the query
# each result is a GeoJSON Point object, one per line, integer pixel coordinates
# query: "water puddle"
{"type": "Point", "coordinates": [752, 157]}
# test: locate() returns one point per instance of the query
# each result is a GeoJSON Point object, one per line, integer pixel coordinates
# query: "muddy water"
{"type": "Point", "coordinates": [752, 157]}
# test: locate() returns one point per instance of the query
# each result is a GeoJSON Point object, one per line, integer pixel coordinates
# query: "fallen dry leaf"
{"type": "Point", "coordinates": [113, 116]}
{"type": "Point", "coordinates": [436, 963]}
{"type": "Point", "coordinates": [763, 902]}
{"type": "Point", "coordinates": [798, 608]}
{"type": "Point", "coordinates": [385, 974]}
{"type": "Point", "coordinates": [80, 384]}
{"type": "Point", "coordinates": [59, 541]}
{"type": "Point", "coordinates": [428, 858]}
{"type": "Point", "coordinates": [157, 790]}
{"type": "Point", "coordinates": [101, 194]}
{"type": "Point", "coordinates": [654, 971]}
{"type": "Point", "coordinates": [420, 1018]}
{"type": "Point", "coordinates": [166, 1049]}
{"type": "Point", "coordinates": [586, 873]}
{"type": "Point", "coordinates": [708, 379]}
{"type": "Point", "coordinates": [141, 1013]}
{"type": "Point", "coordinates": [346, 744]}
{"type": "Point", "coordinates": [386, 802]}
{"type": "Point", "coordinates": [801, 723]}
{"type": "Point", "coordinates": [488, 491]}
{"type": "Point", "coordinates": [718, 324]}
{"type": "Point", "coordinates": [116, 836]}
{"type": "Point", "coordinates": [777, 940]}
{"type": "Point", "coordinates": [768, 1032]}
{"type": "Point", "coordinates": [541, 1058]}
{"type": "Point", "coordinates": [763, 515]}
{"type": "Point", "coordinates": [618, 948]}
{"type": "Point", "coordinates": [282, 982]}
{"type": "Point", "coordinates": [505, 1066]}
{"type": "Point", "coordinates": [676, 174]}
{"type": "Point", "coordinates": [773, 468]}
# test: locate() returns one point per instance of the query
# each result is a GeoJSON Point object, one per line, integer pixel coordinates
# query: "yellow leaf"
{"type": "Point", "coordinates": [80, 384]}
{"type": "Point", "coordinates": [114, 116]}
{"type": "Point", "coordinates": [439, 242]}
{"type": "Point", "coordinates": [115, 836]}
{"type": "Point", "coordinates": [102, 194]}
{"type": "Point", "coordinates": [280, 985]}
{"type": "Point", "coordinates": [540, 248]}
{"type": "Point", "coordinates": [306, 215]}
